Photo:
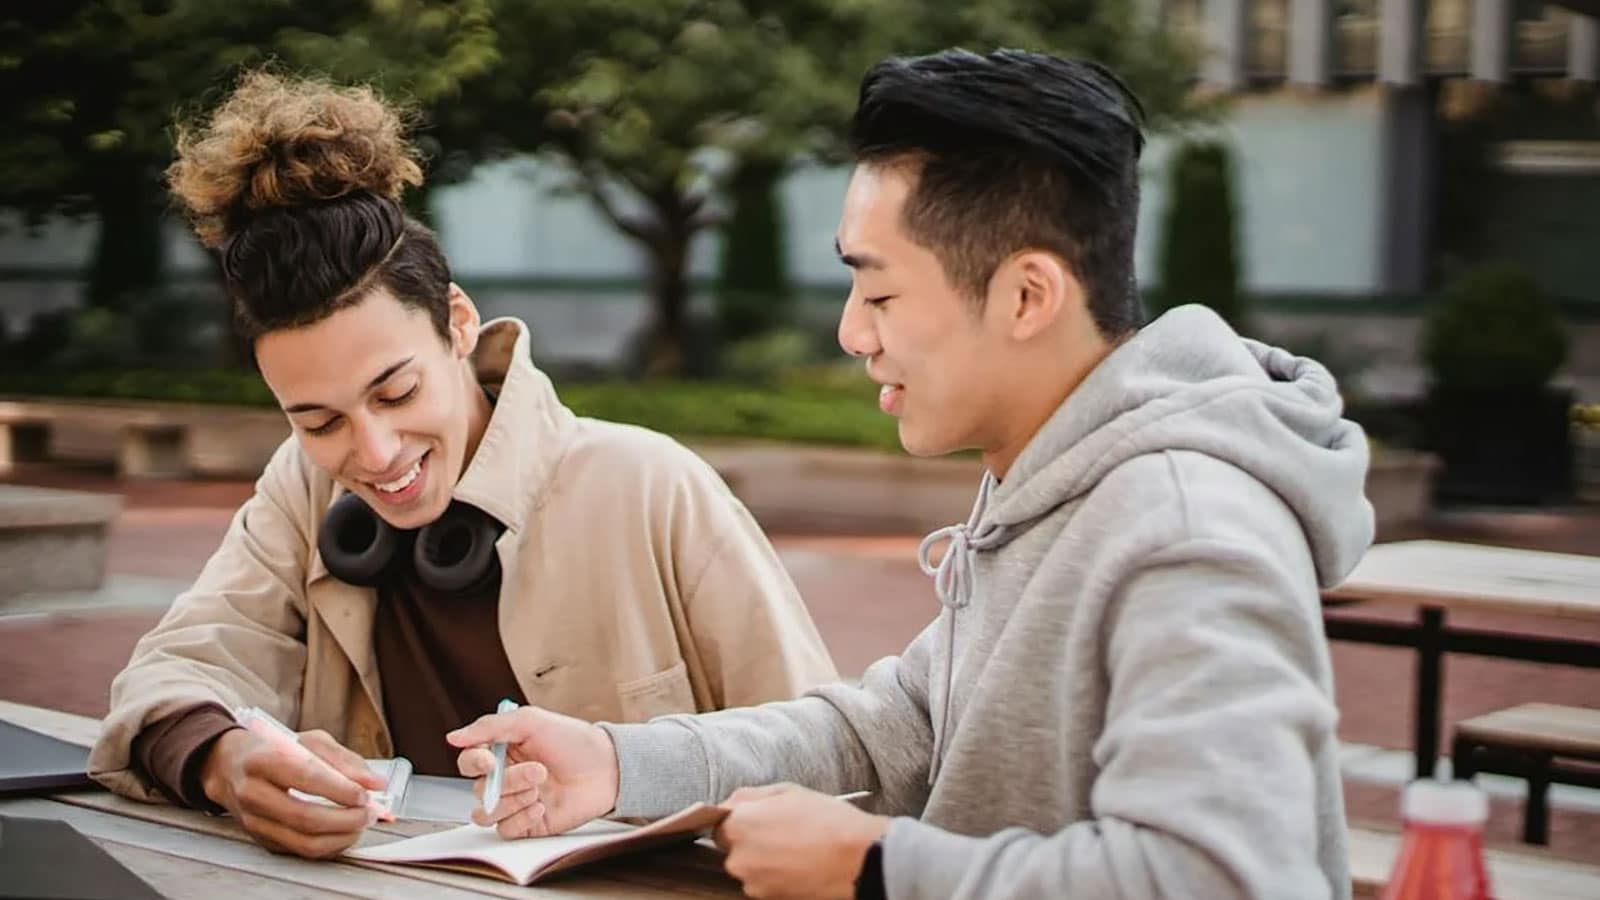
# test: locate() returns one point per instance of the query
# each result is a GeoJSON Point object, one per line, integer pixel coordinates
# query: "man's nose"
{"type": "Point", "coordinates": [377, 446]}
{"type": "Point", "coordinates": [858, 335]}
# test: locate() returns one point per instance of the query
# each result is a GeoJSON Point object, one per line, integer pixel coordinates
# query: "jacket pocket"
{"type": "Point", "coordinates": [667, 691]}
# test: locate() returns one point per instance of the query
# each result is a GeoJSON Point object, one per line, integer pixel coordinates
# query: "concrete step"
{"type": "Point", "coordinates": [52, 540]}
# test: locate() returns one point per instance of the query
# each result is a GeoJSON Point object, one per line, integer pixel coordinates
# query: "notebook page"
{"type": "Point", "coordinates": [518, 859]}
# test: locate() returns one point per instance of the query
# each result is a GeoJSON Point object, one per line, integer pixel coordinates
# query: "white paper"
{"type": "Point", "coordinates": [519, 858]}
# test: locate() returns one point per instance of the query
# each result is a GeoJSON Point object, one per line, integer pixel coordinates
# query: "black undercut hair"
{"type": "Point", "coordinates": [1014, 151]}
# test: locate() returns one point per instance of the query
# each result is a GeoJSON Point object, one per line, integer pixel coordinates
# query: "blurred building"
{"type": "Point", "coordinates": [1340, 119]}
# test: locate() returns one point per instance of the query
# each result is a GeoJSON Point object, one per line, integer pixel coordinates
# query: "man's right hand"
{"type": "Point", "coordinates": [560, 773]}
{"type": "Point", "coordinates": [251, 779]}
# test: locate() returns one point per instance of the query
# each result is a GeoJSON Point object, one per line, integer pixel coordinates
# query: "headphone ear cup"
{"type": "Point", "coordinates": [356, 543]}
{"type": "Point", "coordinates": [456, 552]}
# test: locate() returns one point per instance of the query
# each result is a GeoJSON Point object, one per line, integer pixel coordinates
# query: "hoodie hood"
{"type": "Point", "coordinates": [1187, 382]}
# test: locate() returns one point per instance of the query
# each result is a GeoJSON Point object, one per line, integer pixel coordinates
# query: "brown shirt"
{"type": "Point", "coordinates": [441, 664]}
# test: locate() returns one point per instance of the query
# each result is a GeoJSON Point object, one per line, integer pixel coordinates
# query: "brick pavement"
{"type": "Point", "coordinates": [868, 598]}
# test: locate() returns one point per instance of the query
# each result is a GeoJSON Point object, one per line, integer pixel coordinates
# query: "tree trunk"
{"type": "Point", "coordinates": [665, 351]}
{"type": "Point", "coordinates": [129, 254]}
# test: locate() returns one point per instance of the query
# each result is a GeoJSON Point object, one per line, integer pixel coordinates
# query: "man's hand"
{"type": "Point", "coordinates": [560, 771]}
{"type": "Point", "coordinates": [786, 841]}
{"type": "Point", "coordinates": [251, 779]}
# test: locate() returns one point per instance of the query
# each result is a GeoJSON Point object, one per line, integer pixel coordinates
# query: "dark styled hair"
{"type": "Point", "coordinates": [1014, 151]}
{"type": "Point", "coordinates": [296, 184]}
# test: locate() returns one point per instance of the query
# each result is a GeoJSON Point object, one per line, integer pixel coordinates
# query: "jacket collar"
{"type": "Point", "coordinates": [528, 433]}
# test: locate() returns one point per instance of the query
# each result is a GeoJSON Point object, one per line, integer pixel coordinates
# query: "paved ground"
{"type": "Point", "coordinates": [868, 598]}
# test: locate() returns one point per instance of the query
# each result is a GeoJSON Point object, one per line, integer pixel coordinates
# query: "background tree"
{"type": "Point", "coordinates": [89, 89]}
{"type": "Point", "coordinates": [665, 104]}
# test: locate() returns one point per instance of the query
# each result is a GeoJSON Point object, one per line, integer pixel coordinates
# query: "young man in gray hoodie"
{"type": "Point", "coordinates": [1127, 690]}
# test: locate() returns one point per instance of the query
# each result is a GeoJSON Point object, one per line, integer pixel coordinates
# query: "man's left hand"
{"type": "Point", "coordinates": [786, 841]}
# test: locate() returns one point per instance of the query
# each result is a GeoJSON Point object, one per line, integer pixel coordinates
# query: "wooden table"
{"type": "Point", "coordinates": [184, 854]}
{"type": "Point", "coordinates": [1435, 577]}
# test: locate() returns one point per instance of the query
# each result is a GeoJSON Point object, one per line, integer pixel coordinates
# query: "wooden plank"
{"type": "Point", "coordinates": [80, 730]}
{"type": "Point", "coordinates": [1523, 874]}
{"type": "Point", "coordinates": [1470, 576]}
{"type": "Point", "coordinates": [342, 877]}
{"type": "Point", "coordinates": [691, 876]}
{"type": "Point", "coordinates": [643, 878]}
{"type": "Point", "coordinates": [177, 878]}
{"type": "Point", "coordinates": [1545, 726]}
{"type": "Point", "coordinates": [208, 853]}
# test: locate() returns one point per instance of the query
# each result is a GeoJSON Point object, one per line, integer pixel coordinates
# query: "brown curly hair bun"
{"type": "Point", "coordinates": [276, 142]}
{"type": "Point", "coordinates": [296, 184]}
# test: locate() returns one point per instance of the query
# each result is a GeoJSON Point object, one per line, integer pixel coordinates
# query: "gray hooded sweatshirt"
{"type": "Point", "coordinates": [1127, 691]}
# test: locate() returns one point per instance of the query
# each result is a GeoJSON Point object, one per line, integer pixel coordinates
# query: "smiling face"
{"type": "Point", "coordinates": [381, 402]}
{"type": "Point", "coordinates": [938, 355]}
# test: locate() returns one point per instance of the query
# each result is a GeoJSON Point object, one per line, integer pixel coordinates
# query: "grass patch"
{"type": "Point", "coordinates": [807, 408]}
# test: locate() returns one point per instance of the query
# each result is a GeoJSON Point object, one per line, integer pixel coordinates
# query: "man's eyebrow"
{"type": "Point", "coordinates": [383, 376]}
{"type": "Point", "coordinates": [857, 260]}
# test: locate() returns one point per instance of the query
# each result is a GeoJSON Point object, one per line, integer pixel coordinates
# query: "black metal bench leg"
{"type": "Point", "coordinates": [1430, 679]}
{"type": "Point", "coordinates": [1536, 816]}
{"type": "Point", "coordinates": [1461, 762]}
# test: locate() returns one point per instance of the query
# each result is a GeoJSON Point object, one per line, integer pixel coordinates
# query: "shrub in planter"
{"type": "Point", "coordinates": [1492, 343]}
{"type": "Point", "coordinates": [1586, 438]}
{"type": "Point", "coordinates": [1199, 238]}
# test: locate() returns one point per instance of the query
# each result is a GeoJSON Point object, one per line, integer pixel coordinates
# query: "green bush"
{"type": "Point", "coordinates": [1199, 243]}
{"type": "Point", "coordinates": [814, 412]}
{"type": "Point", "coordinates": [155, 329]}
{"type": "Point", "coordinates": [764, 357]}
{"type": "Point", "coordinates": [710, 409]}
{"type": "Point", "coordinates": [753, 294]}
{"type": "Point", "coordinates": [1494, 328]}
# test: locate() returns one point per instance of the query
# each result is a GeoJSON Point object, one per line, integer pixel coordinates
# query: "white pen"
{"type": "Point", "coordinates": [497, 775]}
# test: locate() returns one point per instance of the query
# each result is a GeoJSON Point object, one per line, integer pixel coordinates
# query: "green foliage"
{"type": "Point", "coordinates": [765, 357]}
{"type": "Point", "coordinates": [155, 328]}
{"type": "Point", "coordinates": [1199, 239]}
{"type": "Point", "coordinates": [753, 290]}
{"type": "Point", "coordinates": [88, 91]}
{"type": "Point", "coordinates": [665, 102]}
{"type": "Point", "coordinates": [1157, 63]}
{"type": "Point", "coordinates": [1494, 328]}
{"type": "Point", "coordinates": [710, 409]}
{"type": "Point", "coordinates": [803, 412]}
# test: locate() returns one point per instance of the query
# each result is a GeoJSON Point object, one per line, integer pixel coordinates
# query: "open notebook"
{"type": "Point", "coordinates": [481, 851]}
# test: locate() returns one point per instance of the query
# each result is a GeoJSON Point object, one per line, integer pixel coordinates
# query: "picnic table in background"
{"type": "Point", "coordinates": [1439, 577]}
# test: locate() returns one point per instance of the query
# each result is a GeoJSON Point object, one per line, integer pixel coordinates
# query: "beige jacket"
{"type": "Point", "coordinates": [635, 584]}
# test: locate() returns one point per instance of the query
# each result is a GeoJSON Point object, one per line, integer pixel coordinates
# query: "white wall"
{"type": "Point", "coordinates": [1307, 173]}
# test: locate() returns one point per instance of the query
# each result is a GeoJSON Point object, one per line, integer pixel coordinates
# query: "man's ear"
{"type": "Point", "coordinates": [1043, 288]}
{"type": "Point", "coordinates": [464, 322]}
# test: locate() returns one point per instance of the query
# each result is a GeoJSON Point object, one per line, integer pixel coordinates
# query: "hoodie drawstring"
{"type": "Point", "coordinates": [955, 583]}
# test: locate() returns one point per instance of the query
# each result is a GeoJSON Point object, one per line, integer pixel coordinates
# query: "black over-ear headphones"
{"type": "Point", "coordinates": [453, 553]}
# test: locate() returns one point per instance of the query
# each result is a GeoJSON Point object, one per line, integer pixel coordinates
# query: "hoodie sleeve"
{"type": "Point", "coordinates": [1206, 783]}
{"type": "Point", "coordinates": [835, 739]}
